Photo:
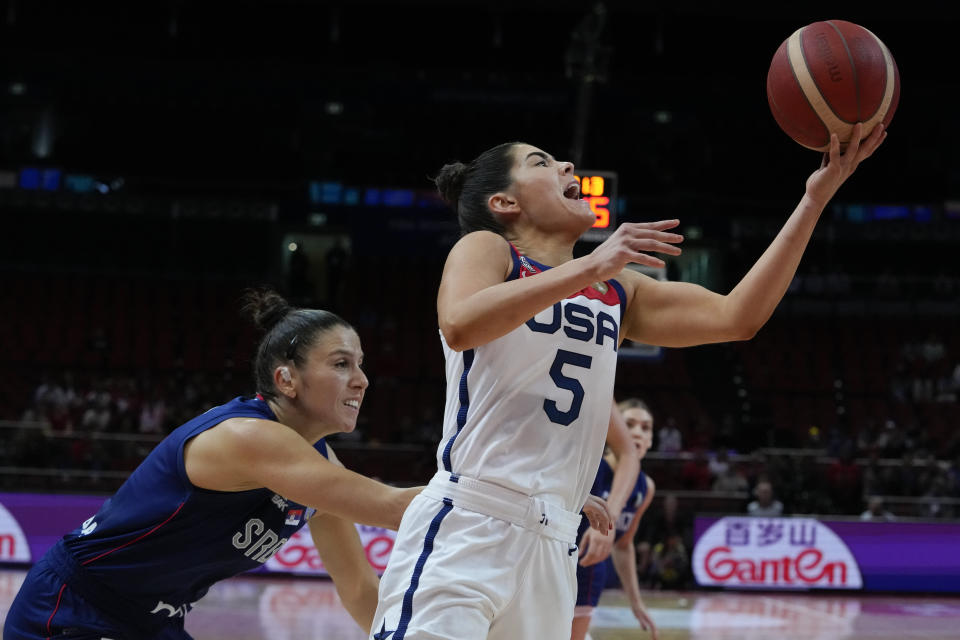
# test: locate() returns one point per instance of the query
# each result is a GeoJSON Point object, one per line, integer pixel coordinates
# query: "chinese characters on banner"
{"type": "Point", "coordinates": [798, 553]}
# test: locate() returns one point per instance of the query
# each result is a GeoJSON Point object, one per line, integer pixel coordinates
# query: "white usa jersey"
{"type": "Point", "coordinates": [529, 410]}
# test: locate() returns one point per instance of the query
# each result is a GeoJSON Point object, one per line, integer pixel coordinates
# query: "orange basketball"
{"type": "Point", "coordinates": [828, 76]}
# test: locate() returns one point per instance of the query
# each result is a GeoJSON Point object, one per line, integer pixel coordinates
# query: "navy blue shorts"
{"type": "Point", "coordinates": [590, 583]}
{"type": "Point", "coordinates": [46, 608]}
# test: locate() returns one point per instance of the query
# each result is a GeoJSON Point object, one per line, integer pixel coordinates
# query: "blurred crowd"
{"type": "Point", "coordinates": [926, 372]}
{"type": "Point", "coordinates": [95, 422]}
{"type": "Point", "coordinates": [874, 469]}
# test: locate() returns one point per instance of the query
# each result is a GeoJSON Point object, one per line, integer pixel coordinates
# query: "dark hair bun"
{"type": "Point", "coordinates": [265, 307]}
{"type": "Point", "coordinates": [450, 182]}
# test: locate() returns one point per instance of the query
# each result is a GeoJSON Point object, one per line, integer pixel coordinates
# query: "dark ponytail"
{"type": "Point", "coordinates": [288, 333]}
{"type": "Point", "coordinates": [467, 187]}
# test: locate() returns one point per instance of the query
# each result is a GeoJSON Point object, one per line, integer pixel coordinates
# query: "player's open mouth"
{"type": "Point", "coordinates": [355, 404]}
{"type": "Point", "coordinates": [572, 191]}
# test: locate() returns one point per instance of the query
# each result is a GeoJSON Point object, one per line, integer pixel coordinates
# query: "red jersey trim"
{"type": "Point", "coordinates": [611, 297]}
{"type": "Point", "coordinates": [137, 539]}
{"type": "Point", "coordinates": [55, 609]}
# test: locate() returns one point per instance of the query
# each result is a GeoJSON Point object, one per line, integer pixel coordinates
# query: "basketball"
{"type": "Point", "coordinates": [826, 77]}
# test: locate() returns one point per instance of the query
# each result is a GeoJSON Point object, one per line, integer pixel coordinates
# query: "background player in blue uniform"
{"type": "Point", "coordinates": [595, 545]}
{"type": "Point", "coordinates": [221, 494]}
{"type": "Point", "coordinates": [593, 577]}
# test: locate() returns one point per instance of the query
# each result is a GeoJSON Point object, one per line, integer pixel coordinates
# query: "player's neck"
{"type": "Point", "coordinates": [289, 416]}
{"type": "Point", "coordinates": [547, 250]}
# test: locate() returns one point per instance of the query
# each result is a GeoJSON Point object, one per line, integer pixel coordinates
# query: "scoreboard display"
{"type": "Point", "coordinates": [599, 189]}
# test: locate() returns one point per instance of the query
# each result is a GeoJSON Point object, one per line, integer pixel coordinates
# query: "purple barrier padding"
{"type": "Point", "coordinates": [44, 517]}
{"type": "Point", "coordinates": [894, 556]}
{"type": "Point", "coordinates": [925, 556]}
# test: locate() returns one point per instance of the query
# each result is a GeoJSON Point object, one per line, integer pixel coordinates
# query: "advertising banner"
{"type": "Point", "coordinates": [37, 520]}
{"type": "Point", "coordinates": [730, 552]}
{"type": "Point", "coordinates": [809, 553]}
{"type": "Point", "coordinates": [299, 555]}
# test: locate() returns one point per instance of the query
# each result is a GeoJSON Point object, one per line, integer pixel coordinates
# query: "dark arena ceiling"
{"type": "Point", "coordinates": [669, 94]}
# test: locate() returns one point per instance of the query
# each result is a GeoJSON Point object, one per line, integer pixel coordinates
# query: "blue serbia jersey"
{"type": "Point", "coordinates": [156, 546]}
{"type": "Point", "coordinates": [592, 580]}
{"type": "Point", "coordinates": [601, 488]}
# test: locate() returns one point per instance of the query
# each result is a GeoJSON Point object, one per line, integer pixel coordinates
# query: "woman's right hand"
{"type": "Point", "coordinates": [598, 514]}
{"type": "Point", "coordinates": [643, 617]}
{"type": "Point", "coordinates": [628, 243]}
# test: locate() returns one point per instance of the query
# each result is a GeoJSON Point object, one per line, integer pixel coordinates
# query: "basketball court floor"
{"type": "Point", "coordinates": [271, 608]}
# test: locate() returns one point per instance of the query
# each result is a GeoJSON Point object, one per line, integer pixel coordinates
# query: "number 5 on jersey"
{"type": "Point", "coordinates": [569, 384]}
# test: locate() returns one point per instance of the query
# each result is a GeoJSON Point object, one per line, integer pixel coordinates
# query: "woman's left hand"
{"type": "Point", "coordinates": [595, 546]}
{"type": "Point", "coordinates": [837, 166]}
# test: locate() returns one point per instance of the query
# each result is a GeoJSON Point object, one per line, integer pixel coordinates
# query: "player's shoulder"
{"type": "Point", "coordinates": [246, 432]}
{"type": "Point", "coordinates": [481, 241]}
{"type": "Point", "coordinates": [651, 485]}
{"type": "Point", "coordinates": [480, 250]}
{"type": "Point", "coordinates": [241, 425]}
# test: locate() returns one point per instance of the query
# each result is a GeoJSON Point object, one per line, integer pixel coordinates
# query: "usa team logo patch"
{"type": "Point", "coordinates": [294, 516]}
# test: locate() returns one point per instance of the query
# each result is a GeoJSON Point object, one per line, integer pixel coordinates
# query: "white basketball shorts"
{"type": "Point", "coordinates": [475, 561]}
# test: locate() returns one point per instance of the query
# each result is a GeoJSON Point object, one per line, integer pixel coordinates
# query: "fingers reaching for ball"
{"type": "Point", "coordinates": [837, 165]}
{"type": "Point", "coordinates": [874, 140]}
